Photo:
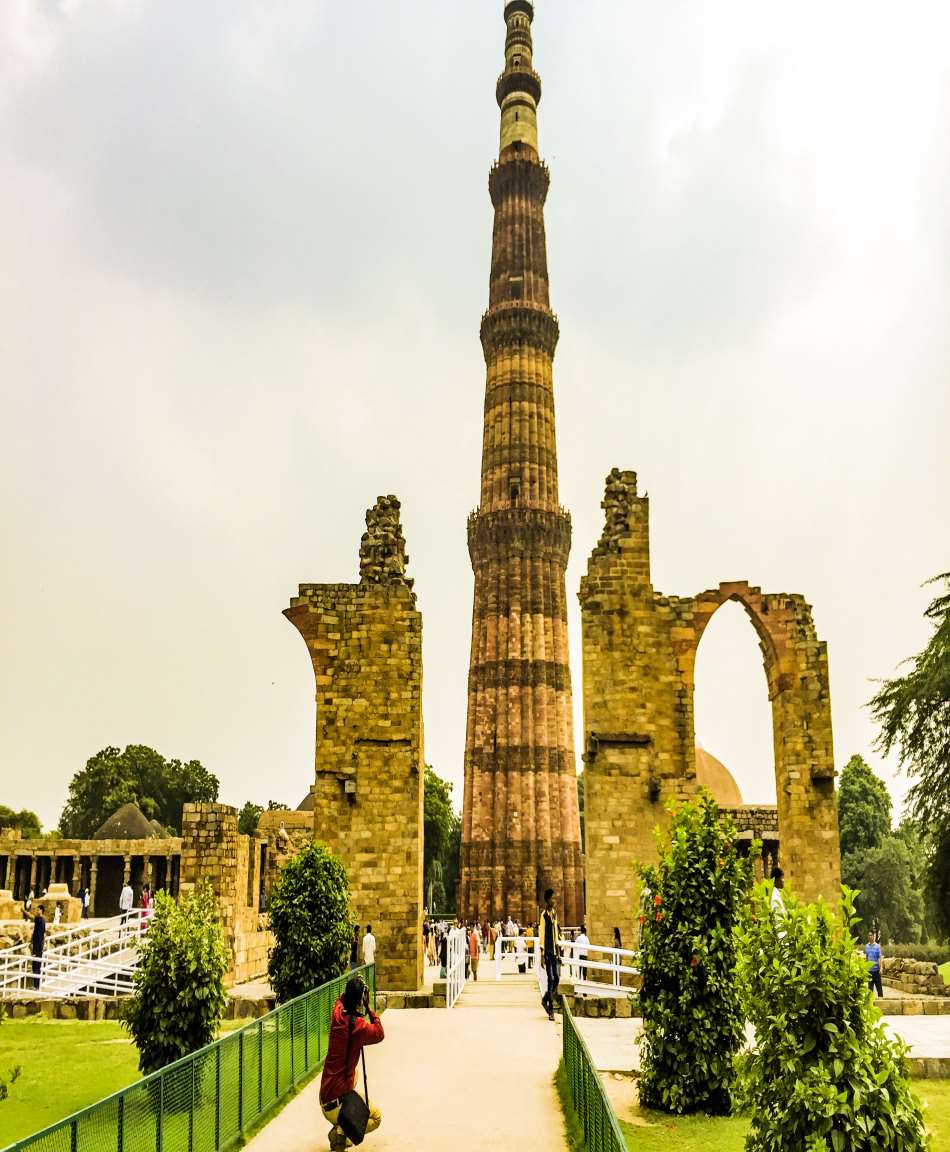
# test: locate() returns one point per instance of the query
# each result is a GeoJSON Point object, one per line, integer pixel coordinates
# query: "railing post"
{"type": "Point", "coordinates": [74, 1136]}
{"type": "Point", "coordinates": [191, 1110]}
{"type": "Point", "coordinates": [217, 1098]}
{"type": "Point", "coordinates": [306, 1033]}
{"type": "Point", "coordinates": [260, 1067]}
{"type": "Point", "coordinates": [293, 1033]}
{"type": "Point", "coordinates": [277, 1056]}
{"type": "Point", "coordinates": [241, 1080]}
{"type": "Point", "coordinates": [120, 1124]}
{"type": "Point", "coordinates": [160, 1118]}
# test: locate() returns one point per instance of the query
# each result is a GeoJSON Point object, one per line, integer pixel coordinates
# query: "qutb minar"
{"type": "Point", "coordinates": [520, 827]}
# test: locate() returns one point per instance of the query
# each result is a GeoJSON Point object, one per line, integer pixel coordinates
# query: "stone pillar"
{"type": "Point", "coordinates": [127, 870]}
{"type": "Point", "coordinates": [77, 875]}
{"type": "Point", "coordinates": [93, 871]}
{"type": "Point", "coordinates": [365, 643]}
{"type": "Point", "coordinates": [33, 864]}
{"type": "Point", "coordinates": [11, 872]}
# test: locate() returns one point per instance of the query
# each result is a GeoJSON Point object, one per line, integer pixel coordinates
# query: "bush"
{"type": "Point", "coordinates": [824, 1074]}
{"type": "Point", "coordinates": [310, 918]}
{"type": "Point", "coordinates": [692, 1026]}
{"type": "Point", "coordinates": [930, 953]}
{"type": "Point", "coordinates": [179, 995]}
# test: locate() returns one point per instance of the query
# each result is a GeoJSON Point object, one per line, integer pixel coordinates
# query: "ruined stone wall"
{"type": "Point", "coordinates": [286, 833]}
{"type": "Point", "coordinates": [365, 642]}
{"type": "Point", "coordinates": [639, 658]}
{"type": "Point", "coordinates": [214, 850]}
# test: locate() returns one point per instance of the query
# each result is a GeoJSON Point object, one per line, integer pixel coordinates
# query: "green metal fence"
{"type": "Point", "coordinates": [205, 1102]}
{"type": "Point", "coordinates": [601, 1129]}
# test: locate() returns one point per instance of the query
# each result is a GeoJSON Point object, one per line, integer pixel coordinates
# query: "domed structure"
{"type": "Point", "coordinates": [127, 823]}
{"type": "Point", "coordinates": [306, 804]}
{"type": "Point", "coordinates": [159, 831]}
{"type": "Point", "coordinates": [713, 775]}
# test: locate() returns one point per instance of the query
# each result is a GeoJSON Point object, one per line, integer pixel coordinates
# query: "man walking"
{"type": "Point", "coordinates": [37, 943]}
{"type": "Point", "coordinates": [872, 953]}
{"type": "Point", "coordinates": [473, 951]}
{"type": "Point", "coordinates": [125, 901]}
{"type": "Point", "coordinates": [549, 932]}
{"type": "Point", "coordinates": [369, 946]}
{"type": "Point", "coordinates": [353, 1026]}
{"type": "Point", "coordinates": [581, 945]}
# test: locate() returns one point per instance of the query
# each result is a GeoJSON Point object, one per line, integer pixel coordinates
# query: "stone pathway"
{"type": "Point", "coordinates": [612, 1047]}
{"type": "Point", "coordinates": [445, 1078]}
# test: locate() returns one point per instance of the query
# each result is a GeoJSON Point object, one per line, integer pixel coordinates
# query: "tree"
{"type": "Point", "coordinates": [864, 808]}
{"type": "Point", "coordinates": [914, 714]}
{"type": "Point", "coordinates": [137, 775]}
{"type": "Point", "coordinates": [179, 998]}
{"type": "Point", "coordinates": [888, 899]}
{"type": "Point", "coordinates": [823, 1073]}
{"type": "Point", "coordinates": [248, 818]}
{"type": "Point", "coordinates": [310, 918]}
{"type": "Point", "coordinates": [27, 823]}
{"type": "Point", "coordinates": [441, 837]}
{"type": "Point", "coordinates": [692, 1025]}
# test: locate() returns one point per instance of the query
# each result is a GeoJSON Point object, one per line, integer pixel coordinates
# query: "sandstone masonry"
{"type": "Point", "coordinates": [365, 642]}
{"type": "Point", "coordinates": [639, 656]}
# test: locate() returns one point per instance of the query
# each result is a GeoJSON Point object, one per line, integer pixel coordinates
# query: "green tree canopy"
{"type": "Point", "coordinates": [25, 821]}
{"type": "Point", "coordinates": [692, 1026]}
{"type": "Point", "coordinates": [248, 818]}
{"type": "Point", "coordinates": [137, 775]}
{"type": "Point", "coordinates": [864, 808]}
{"type": "Point", "coordinates": [889, 898]}
{"type": "Point", "coordinates": [441, 837]}
{"type": "Point", "coordinates": [913, 712]}
{"type": "Point", "coordinates": [179, 995]}
{"type": "Point", "coordinates": [310, 918]}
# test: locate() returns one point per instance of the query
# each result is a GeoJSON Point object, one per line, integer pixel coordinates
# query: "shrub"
{"type": "Point", "coordinates": [930, 953]}
{"type": "Point", "coordinates": [824, 1074]}
{"type": "Point", "coordinates": [692, 1026]}
{"type": "Point", "coordinates": [179, 995]}
{"type": "Point", "coordinates": [309, 916]}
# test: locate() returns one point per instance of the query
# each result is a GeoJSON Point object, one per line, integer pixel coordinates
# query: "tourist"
{"type": "Point", "coordinates": [425, 940]}
{"type": "Point", "coordinates": [776, 901]}
{"type": "Point", "coordinates": [57, 913]}
{"type": "Point", "coordinates": [520, 950]}
{"type": "Point", "coordinates": [529, 942]}
{"type": "Point", "coordinates": [369, 946]}
{"type": "Point", "coordinates": [582, 943]}
{"type": "Point", "coordinates": [473, 952]}
{"type": "Point", "coordinates": [84, 896]}
{"type": "Point", "coordinates": [28, 902]}
{"type": "Point", "coordinates": [353, 1026]}
{"type": "Point", "coordinates": [37, 943]}
{"type": "Point", "coordinates": [126, 899]}
{"type": "Point", "coordinates": [499, 947]}
{"type": "Point", "coordinates": [146, 905]}
{"type": "Point", "coordinates": [355, 948]}
{"type": "Point", "coordinates": [873, 955]}
{"type": "Point", "coordinates": [548, 934]}
{"type": "Point", "coordinates": [443, 954]}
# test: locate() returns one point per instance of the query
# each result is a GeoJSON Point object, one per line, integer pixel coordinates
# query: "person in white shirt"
{"type": "Point", "coordinates": [776, 901]}
{"type": "Point", "coordinates": [125, 900]}
{"type": "Point", "coordinates": [581, 944]}
{"type": "Point", "coordinates": [369, 946]}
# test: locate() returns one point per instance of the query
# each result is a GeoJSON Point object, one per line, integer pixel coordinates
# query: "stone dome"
{"type": "Point", "coordinates": [306, 804]}
{"type": "Point", "coordinates": [127, 823]}
{"type": "Point", "coordinates": [716, 777]}
{"type": "Point", "coordinates": [159, 831]}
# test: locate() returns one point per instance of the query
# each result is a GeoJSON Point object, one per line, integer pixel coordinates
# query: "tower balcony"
{"type": "Point", "coordinates": [518, 78]}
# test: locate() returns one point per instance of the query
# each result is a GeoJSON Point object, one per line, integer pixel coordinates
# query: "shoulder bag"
{"type": "Point", "coordinates": [354, 1109]}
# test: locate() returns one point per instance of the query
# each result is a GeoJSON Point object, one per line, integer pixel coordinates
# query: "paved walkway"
{"type": "Point", "coordinates": [444, 1078]}
{"type": "Point", "coordinates": [613, 1048]}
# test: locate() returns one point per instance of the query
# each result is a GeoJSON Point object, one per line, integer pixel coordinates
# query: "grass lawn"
{"type": "Point", "coordinates": [654, 1132]}
{"type": "Point", "coordinates": [66, 1065]}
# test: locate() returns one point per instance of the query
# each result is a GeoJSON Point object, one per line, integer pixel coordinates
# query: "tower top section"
{"type": "Point", "coordinates": [519, 87]}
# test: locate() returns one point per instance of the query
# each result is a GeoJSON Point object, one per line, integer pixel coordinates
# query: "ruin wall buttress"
{"type": "Point", "coordinates": [365, 643]}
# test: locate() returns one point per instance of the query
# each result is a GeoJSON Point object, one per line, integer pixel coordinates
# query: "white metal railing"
{"type": "Point", "coordinates": [455, 965]}
{"type": "Point", "coordinates": [98, 959]}
{"type": "Point", "coordinates": [618, 965]}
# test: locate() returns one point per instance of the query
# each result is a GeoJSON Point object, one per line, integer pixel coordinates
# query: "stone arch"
{"type": "Point", "coordinates": [796, 670]}
{"type": "Point", "coordinates": [639, 650]}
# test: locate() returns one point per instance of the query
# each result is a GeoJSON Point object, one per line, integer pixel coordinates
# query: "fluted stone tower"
{"type": "Point", "coordinates": [520, 828]}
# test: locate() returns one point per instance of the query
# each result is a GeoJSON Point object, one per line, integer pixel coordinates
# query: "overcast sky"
{"type": "Point", "coordinates": [246, 249]}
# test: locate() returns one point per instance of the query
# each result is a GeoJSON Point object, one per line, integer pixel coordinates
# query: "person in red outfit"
{"type": "Point", "coordinates": [353, 1026]}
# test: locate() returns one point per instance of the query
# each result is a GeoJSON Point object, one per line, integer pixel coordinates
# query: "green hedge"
{"type": "Point", "coordinates": [932, 953]}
